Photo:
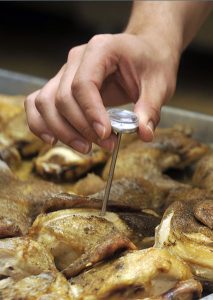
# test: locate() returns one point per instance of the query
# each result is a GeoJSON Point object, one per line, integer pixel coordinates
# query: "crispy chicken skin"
{"type": "Point", "coordinates": [14, 128]}
{"type": "Point", "coordinates": [135, 275]}
{"type": "Point", "coordinates": [44, 230]}
{"type": "Point", "coordinates": [21, 257]}
{"type": "Point", "coordinates": [203, 175]}
{"type": "Point", "coordinates": [45, 286]}
{"type": "Point", "coordinates": [21, 201]}
{"type": "Point", "coordinates": [20, 136]}
{"type": "Point", "coordinates": [62, 163]}
{"type": "Point", "coordinates": [186, 230]}
{"type": "Point", "coordinates": [10, 106]}
{"type": "Point", "coordinates": [79, 238]}
{"type": "Point", "coordinates": [170, 149]}
{"type": "Point", "coordinates": [88, 185]}
{"type": "Point", "coordinates": [139, 193]}
{"type": "Point", "coordinates": [10, 155]}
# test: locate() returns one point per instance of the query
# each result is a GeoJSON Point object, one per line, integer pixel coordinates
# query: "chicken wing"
{"type": "Point", "coordinates": [135, 275]}
{"type": "Point", "coordinates": [186, 230]}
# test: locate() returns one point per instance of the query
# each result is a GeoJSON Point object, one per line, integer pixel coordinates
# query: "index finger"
{"type": "Point", "coordinates": [99, 61]}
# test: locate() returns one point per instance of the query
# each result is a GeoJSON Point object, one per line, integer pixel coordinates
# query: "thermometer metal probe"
{"type": "Point", "coordinates": [122, 121]}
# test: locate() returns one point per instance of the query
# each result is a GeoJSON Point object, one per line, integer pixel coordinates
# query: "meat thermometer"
{"type": "Point", "coordinates": [122, 121]}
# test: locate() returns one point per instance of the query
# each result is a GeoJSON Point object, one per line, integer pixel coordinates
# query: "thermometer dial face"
{"type": "Point", "coordinates": [123, 121]}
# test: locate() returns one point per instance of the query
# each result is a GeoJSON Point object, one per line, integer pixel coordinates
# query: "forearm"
{"type": "Point", "coordinates": [176, 22]}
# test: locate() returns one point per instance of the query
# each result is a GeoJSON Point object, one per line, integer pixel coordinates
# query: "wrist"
{"type": "Point", "coordinates": [165, 47]}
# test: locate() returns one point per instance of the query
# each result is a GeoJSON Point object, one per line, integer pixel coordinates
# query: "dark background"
{"type": "Point", "coordinates": [36, 37]}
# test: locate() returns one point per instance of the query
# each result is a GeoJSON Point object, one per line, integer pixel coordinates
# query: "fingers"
{"type": "Point", "coordinates": [35, 121]}
{"type": "Point", "coordinates": [65, 102]}
{"type": "Point", "coordinates": [154, 94]}
{"type": "Point", "coordinates": [97, 63]}
{"type": "Point", "coordinates": [44, 119]}
{"type": "Point", "coordinates": [45, 104]}
{"type": "Point", "coordinates": [69, 108]}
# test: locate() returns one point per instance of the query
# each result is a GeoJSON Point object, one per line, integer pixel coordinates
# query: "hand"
{"type": "Point", "coordinates": [109, 70]}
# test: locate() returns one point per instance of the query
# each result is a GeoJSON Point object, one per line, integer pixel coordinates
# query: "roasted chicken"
{"type": "Point", "coordinates": [21, 257]}
{"type": "Point", "coordinates": [170, 149]}
{"type": "Point", "coordinates": [45, 286]}
{"type": "Point", "coordinates": [10, 106]}
{"type": "Point", "coordinates": [186, 230]}
{"type": "Point", "coordinates": [14, 128]}
{"type": "Point", "coordinates": [144, 274]}
{"type": "Point", "coordinates": [8, 152]}
{"type": "Point", "coordinates": [64, 232]}
{"type": "Point", "coordinates": [21, 201]}
{"type": "Point", "coordinates": [203, 175]}
{"type": "Point", "coordinates": [20, 136]}
{"type": "Point", "coordinates": [79, 238]}
{"type": "Point", "coordinates": [63, 163]}
{"type": "Point", "coordinates": [88, 185]}
{"type": "Point", "coordinates": [140, 193]}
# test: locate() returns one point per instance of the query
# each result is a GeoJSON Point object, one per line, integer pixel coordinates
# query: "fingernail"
{"type": "Point", "coordinates": [99, 129]}
{"type": "Point", "coordinates": [49, 139]}
{"type": "Point", "coordinates": [80, 146]}
{"type": "Point", "coordinates": [150, 125]}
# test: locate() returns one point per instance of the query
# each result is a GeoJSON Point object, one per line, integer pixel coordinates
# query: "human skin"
{"type": "Point", "coordinates": [139, 65]}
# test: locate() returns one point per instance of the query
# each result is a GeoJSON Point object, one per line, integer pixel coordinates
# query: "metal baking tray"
{"type": "Point", "coordinates": [15, 83]}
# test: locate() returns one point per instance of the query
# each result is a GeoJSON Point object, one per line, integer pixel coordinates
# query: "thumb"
{"type": "Point", "coordinates": [148, 109]}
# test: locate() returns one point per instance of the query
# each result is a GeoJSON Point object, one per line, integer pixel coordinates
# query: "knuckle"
{"type": "Point", "coordinates": [62, 99]}
{"type": "Point", "coordinates": [77, 86]}
{"type": "Point", "coordinates": [73, 53]}
{"type": "Point", "coordinates": [41, 101]}
{"type": "Point", "coordinates": [100, 40]}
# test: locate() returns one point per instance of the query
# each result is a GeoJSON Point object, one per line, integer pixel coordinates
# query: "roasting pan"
{"type": "Point", "coordinates": [15, 83]}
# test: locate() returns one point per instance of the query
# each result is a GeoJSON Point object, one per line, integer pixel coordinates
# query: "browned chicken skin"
{"type": "Point", "coordinates": [186, 230]}
{"type": "Point", "coordinates": [78, 238]}
{"type": "Point", "coordinates": [139, 193]}
{"type": "Point", "coordinates": [203, 175]}
{"type": "Point", "coordinates": [88, 185]}
{"type": "Point", "coordinates": [81, 241]}
{"type": "Point", "coordinates": [10, 106]}
{"type": "Point", "coordinates": [51, 285]}
{"type": "Point", "coordinates": [135, 275]}
{"type": "Point", "coordinates": [170, 149]}
{"type": "Point", "coordinates": [21, 201]}
{"type": "Point", "coordinates": [21, 257]}
{"type": "Point", "coordinates": [61, 163]}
